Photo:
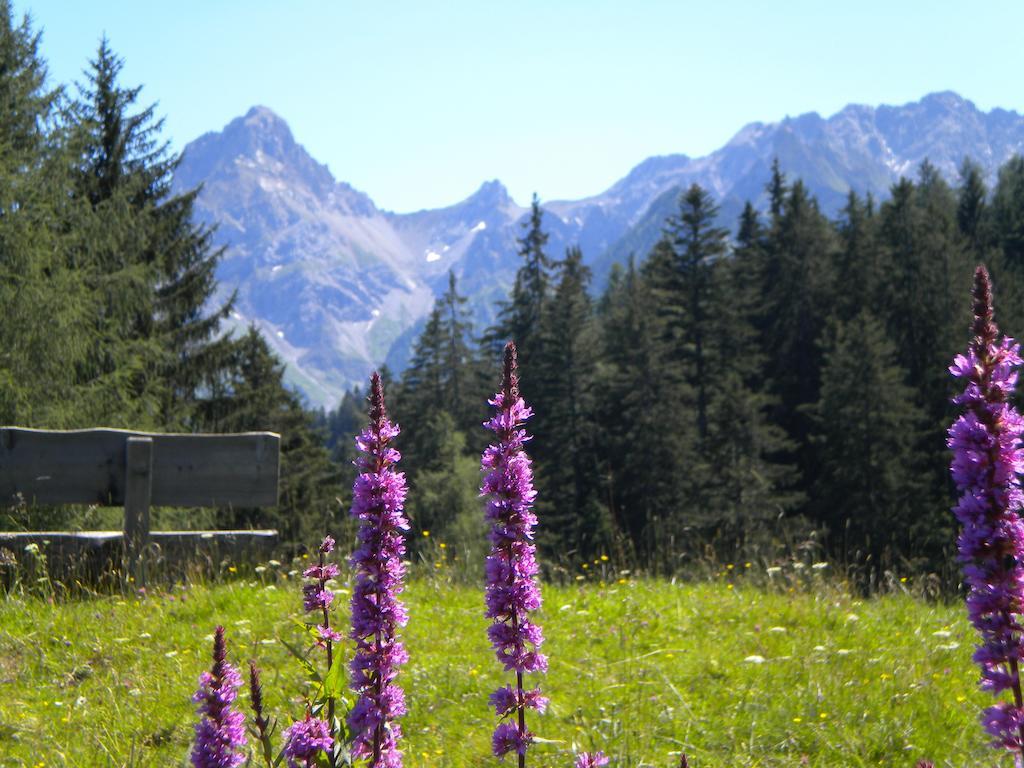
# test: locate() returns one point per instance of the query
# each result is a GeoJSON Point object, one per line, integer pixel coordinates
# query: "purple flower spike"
{"type": "Point", "coordinates": [378, 497]}
{"type": "Point", "coordinates": [305, 740]}
{"type": "Point", "coordinates": [317, 598]}
{"type": "Point", "coordinates": [220, 734]}
{"type": "Point", "coordinates": [591, 760]}
{"type": "Point", "coordinates": [511, 569]}
{"type": "Point", "coordinates": [987, 460]}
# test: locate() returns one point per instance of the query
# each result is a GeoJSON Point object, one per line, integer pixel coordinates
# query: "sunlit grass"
{"type": "Point", "coordinates": [734, 675]}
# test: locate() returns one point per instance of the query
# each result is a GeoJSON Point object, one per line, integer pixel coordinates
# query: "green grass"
{"type": "Point", "coordinates": [640, 669]}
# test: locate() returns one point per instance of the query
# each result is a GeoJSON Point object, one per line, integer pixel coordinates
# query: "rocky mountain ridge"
{"type": "Point", "coordinates": [339, 286]}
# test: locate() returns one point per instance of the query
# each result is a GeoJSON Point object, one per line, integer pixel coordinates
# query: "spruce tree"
{"type": "Point", "coordinates": [251, 396]}
{"type": "Point", "coordinates": [997, 239]}
{"type": "Point", "coordinates": [798, 293]}
{"type": "Point", "coordinates": [683, 294]}
{"type": "Point", "coordinates": [777, 192]}
{"type": "Point", "coordinates": [47, 307]}
{"type": "Point", "coordinates": [926, 265]}
{"type": "Point", "coordinates": [972, 208]}
{"type": "Point", "coordinates": [446, 501]}
{"type": "Point", "coordinates": [565, 429]}
{"type": "Point", "coordinates": [465, 394]}
{"type": "Point", "coordinates": [857, 259]}
{"type": "Point", "coordinates": [520, 318]}
{"type": "Point", "coordinates": [161, 272]}
{"type": "Point", "coordinates": [866, 427]}
{"type": "Point", "coordinates": [1008, 213]}
{"type": "Point", "coordinates": [645, 434]}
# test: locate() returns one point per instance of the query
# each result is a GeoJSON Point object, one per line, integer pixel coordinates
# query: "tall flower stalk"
{"type": "Point", "coordinates": [987, 459]}
{"type": "Point", "coordinates": [317, 599]}
{"type": "Point", "coordinates": [378, 497]}
{"type": "Point", "coordinates": [262, 728]}
{"type": "Point", "coordinates": [512, 590]}
{"type": "Point", "coordinates": [220, 733]}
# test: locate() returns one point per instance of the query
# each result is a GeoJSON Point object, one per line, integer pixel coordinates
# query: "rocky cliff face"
{"type": "Point", "coordinates": [339, 287]}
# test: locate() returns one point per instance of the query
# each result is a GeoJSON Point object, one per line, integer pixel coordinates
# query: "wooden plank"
{"type": "Point", "coordinates": [88, 467]}
{"type": "Point", "coordinates": [138, 492]}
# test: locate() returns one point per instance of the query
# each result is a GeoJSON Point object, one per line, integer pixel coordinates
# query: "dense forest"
{"type": "Point", "coordinates": [729, 395]}
{"type": "Point", "coordinates": [746, 388]}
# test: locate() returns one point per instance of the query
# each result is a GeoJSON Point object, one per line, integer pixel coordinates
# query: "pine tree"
{"type": "Point", "coordinates": [465, 394]}
{"type": "Point", "coordinates": [995, 233]}
{"type": "Point", "coordinates": [565, 430]}
{"type": "Point", "coordinates": [161, 271]}
{"type": "Point", "coordinates": [446, 502]}
{"type": "Point", "coordinates": [866, 425]}
{"type": "Point", "coordinates": [47, 308]}
{"type": "Point", "coordinates": [520, 318]}
{"type": "Point", "coordinates": [1008, 213]}
{"type": "Point", "coordinates": [777, 192]}
{"type": "Point", "coordinates": [926, 265]}
{"type": "Point", "coordinates": [706, 309]}
{"type": "Point", "coordinates": [972, 208]}
{"type": "Point", "coordinates": [797, 295]}
{"type": "Point", "coordinates": [857, 259]}
{"type": "Point", "coordinates": [684, 292]}
{"type": "Point", "coordinates": [251, 396]}
{"type": "Point", "coordinates": [645, 437]}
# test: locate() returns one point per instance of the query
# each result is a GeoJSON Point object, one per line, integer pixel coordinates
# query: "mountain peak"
{"type": "Point", "coordinates": [261, 130]}
{"type": "Point", "coordinates": [260, 112]}
{"type": "Point", "coordinates": [947, 100]}
{"type": "Point", "coordinates": [492, 192]}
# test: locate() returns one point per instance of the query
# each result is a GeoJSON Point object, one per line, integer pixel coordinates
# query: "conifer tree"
{"type": "Point", "coordinates": [446, 502]}
{"type": "Point", "coordinates": [683, 293]}
{"type": "Point", "coordinates": [520, 318]}
{"type": "Point", "coordinates": [972, 208]}
{"type": "Point", "coordinates": [925, 263]}
{"type": "Point", "coordinates": [777, 191]}
{"type": "Point", "coordinates": [857, 259]}
{"type": "Point", "coordinates": [47, 308]}
{"type": "Point", "coordinates": [645, 434]}
{"type": "Point", "coordinates": [1008, 213]}
{"type": "Point", "coordinates": [465, 392]}
{"type": "Point", "coordinates": [797, 295]}
{"type": "Point", "coordinates": [565, 431]}
{"type": "Point", "coordinates": [867, 426]}
{"type": "Point", "coordinates": [710, 343]}
{"type": "Point", "coordinates": [994, 232]}
{"type": "Point", "coordinates": [160, 271]}
{"type": "Point", "coordinates": [251, 396]}
{"type": "Point", "coordinates": [422, 392]}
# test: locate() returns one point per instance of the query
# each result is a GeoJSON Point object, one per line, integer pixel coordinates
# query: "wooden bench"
{"type": "Point", "coordinates": [137, 470]}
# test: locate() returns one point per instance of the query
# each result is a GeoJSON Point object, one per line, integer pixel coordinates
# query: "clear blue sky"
{"type": "Point", "coordinates": [416, 103]}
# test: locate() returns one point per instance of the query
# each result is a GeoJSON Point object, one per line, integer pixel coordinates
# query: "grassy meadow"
{"type": "Point", "coordinates": [792, 671]}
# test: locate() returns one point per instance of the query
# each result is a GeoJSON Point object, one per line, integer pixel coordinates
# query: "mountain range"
{"type": "Point", "coordinates": [339, 286]}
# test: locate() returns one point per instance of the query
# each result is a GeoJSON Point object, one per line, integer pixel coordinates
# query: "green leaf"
{"type": "Point", "coordinates": [335, 681]}
{"type": "Point", "coordinates": [303, 659]}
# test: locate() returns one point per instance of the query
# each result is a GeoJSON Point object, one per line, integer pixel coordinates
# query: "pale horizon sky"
{"type": "Point", "coordinates": [418, 103]}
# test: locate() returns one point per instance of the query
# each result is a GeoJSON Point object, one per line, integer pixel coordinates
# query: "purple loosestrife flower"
{"type": "Point", "coordinates": [511, 569]}
{"type": "Point", "coordinates": [260, 721]}
{"type": "Point", "coordinates": [377, 501]}
{"type": "Point", "coordinates": [591, 760]}
{"type": "Point", "coordinates": [304, 740]}
{"type": "Point", "coordinates": [316, 597]}
{"type": "Point", "coordinates": [220, 734]}
{"type": "Point", "coordinates": [987, 459]}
